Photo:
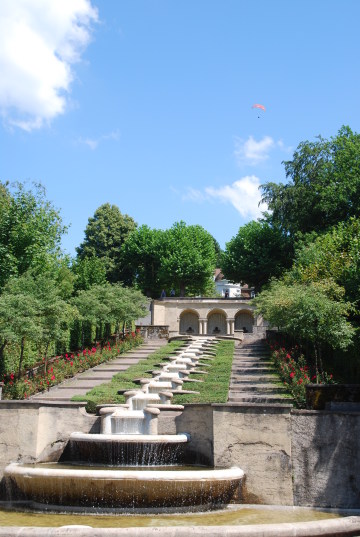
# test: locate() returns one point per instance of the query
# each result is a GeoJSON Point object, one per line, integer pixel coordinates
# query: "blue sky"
{"type": "Point", "coordinates": [147, 104]}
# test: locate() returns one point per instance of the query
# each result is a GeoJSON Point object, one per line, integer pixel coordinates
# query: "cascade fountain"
{"type": "Point", "coordinates": [131, 465]}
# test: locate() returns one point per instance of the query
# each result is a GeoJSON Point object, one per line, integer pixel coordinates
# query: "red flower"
{"type": "Point", "coordinates": [71, 363]}
{"type": "Point", "coordinates": [52, 377]}
{"type": "Point", "coordinates": [292, 374]}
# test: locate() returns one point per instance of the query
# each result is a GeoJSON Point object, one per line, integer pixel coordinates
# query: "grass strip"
{"type": "Point", "coordinates": [107, 393]}
{"type": "Point", "coordinates": [215, 387]}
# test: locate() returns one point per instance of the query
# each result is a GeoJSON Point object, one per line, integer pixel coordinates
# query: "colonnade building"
{"type": "Point", "coordinates": [207, 316]}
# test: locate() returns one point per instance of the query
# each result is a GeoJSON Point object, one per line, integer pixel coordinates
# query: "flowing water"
{"type": "Point", "coordinates": [229, 517]}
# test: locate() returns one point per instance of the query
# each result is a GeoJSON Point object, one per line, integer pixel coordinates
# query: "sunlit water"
{"type": "Point", "coordinates": [227, 517]}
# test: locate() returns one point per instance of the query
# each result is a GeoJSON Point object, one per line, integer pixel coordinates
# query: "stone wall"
{"type": "Point", "coordinates": [290, 457]}
{"type": "Point", "coordinates": [32, 432]}
{"type": "Point", "coordinates": [154, 332]}
{"type": "Point", "coordinates": [325, 458]}
{"type": "Point", "coordinates": [258, 440]}
{"type": "Point", "coordinates": [254, 437]}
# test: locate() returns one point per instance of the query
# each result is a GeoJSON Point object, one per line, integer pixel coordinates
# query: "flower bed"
{"type": "Point", "coordinates": [65, 366]}
{"type": "Point", "coordinates": [295, 372]}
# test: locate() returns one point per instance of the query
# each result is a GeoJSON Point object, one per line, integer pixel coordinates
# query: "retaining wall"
{"type": "Point", "coordinates": [290, 457]}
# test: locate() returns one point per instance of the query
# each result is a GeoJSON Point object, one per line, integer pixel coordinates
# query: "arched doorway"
{"type": "Point", "coordinates": [216, 324]}
{"type": "Point", "coordinates": [244, 320]}
{"type": "Point", "coordinates": [189, 322]}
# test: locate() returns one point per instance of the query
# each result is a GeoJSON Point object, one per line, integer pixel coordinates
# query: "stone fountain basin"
{"type": "Point", "coordinates": [126, 449]}
{"type": "Point", "coordinates": [123, 488]}
{"type": "Point", "coordinates": [131, 438]}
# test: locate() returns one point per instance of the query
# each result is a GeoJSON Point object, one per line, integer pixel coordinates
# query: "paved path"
{"type": "Point", "coordinates": [81, 383]}
{"type": "Point", "coordinates": [253, 377]}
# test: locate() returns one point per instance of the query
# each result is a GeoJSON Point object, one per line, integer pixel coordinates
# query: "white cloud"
{"type": "Point", "coordinates": [244, 195]}
{"type": "Point", "coordinates": [40, 40]}
{"type": "Point", "coordinates": [194, 195]}
{"type": "Point", "coordinates": [93, 143]}
{"type": "Point", "coordinates": [252, 152]}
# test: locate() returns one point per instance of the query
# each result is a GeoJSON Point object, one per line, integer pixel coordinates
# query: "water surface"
{"type": "Point", "coordinates": [227, 517]}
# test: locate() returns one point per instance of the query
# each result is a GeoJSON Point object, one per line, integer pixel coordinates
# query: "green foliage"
{"type": "Point", "coordinates": [335, 254]}
{"type": "Point", "coordinates": [142, 258]}
{"type": "Point", "coordinates": [110, 303]}
{"type": "Point", "coordinates": [31, 308]}
{"type": "Point", "coordinates": [105, 233]}
{"type": "Point", "coordinates": [324, 186]}
{"type": "Point", "coordinates": [258, 252]}
{"type": "Point", "coordinates": [30, 231]}
{"type": "Point", "coordinates": [313, 311]}
{"type": "Point", "coordinates": [295, 372]}
{"type": "Point", "coordinates": [88, 271]}
{"type": "Point", "coordinates": [188, 259]}
{"type": "Point", "coordinates": [182, 257]}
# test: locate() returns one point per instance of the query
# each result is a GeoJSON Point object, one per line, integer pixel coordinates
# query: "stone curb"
{"type": "Point", "coordinates": [348, 526]}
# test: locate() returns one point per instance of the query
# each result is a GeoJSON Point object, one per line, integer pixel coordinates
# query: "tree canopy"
{"type": "Point", "coordinates": [30, 230]}
{"type": "Point", "coordinates": [182, 257]}
{"type": "Point", "coordinates": [110, 303]}
{"type": "Point", "coordinates": [188, 258]}
{"type": "Point", "coordinates": [323, 187]}
{"type": "Point", "coordinates": [258, 252]}
{"type": "Point", "coordinates": [105, 234]}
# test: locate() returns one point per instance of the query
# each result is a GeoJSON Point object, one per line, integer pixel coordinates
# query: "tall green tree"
{"type": "Point", "coordinates": [142, 259]}
{"type": "Point", "coordinates": [106, 304]}
{"type": "Point", "coordinates": [257, 253]}
{"type": "Point", "coordinates": [105, 234]}
{"type": "Point", "coordinates": [88, 271]}
{"type": "Point", "coordinates": [323, 187]}
{"type": "Point", "coordinates": [334, 254]}
{"type": "Point", "coordinates": [30, 231]}
{"type": "Point", "coordinates": [19, 321]}
{"type": "Point", "coordinates": [32, 310]}
{"type": "Point", "coordinates": [182, 257]}
{"type": "Point", "coordinates": [315, 312]}
{"type": "Point", "coordinates": [188, 259]}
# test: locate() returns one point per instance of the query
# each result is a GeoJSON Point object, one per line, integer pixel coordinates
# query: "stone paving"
{"type": "Point", "coordinates": [253, 377]}
{"type": "Point", "coordinates": [83, 382]}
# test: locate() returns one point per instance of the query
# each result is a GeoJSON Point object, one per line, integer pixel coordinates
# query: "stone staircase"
{"type": "Point", "coordinates": [253, 378]}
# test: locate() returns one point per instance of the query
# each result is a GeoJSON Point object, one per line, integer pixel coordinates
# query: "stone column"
{"type": "Point", "coordinates": [205, 327]}
{"type": "Point", "coordinates": [200, 327]}
{"type": "Point", "coordinates": [228, 327]}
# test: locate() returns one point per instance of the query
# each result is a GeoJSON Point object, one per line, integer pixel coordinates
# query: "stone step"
{"type": "Point", "coordinates": [255, 349]}
{"type": "Point", "coordinates": [260, 388]}
{"type": "Point", "coordinates": [113, 369]}
{"type": "Point", "coordinates": [244, 370]}
{"type": "Point", "coordinates": [254, 361]}
{"type": "Point", "coordinates": [251, 379]}
{"type": "Point", "coordinates": [269, 399]}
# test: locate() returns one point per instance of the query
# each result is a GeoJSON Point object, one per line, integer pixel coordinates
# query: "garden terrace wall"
{"type": "Point", "coordinates": [153, 332]}
{"type": "Point", "coordinates": [290, 457]}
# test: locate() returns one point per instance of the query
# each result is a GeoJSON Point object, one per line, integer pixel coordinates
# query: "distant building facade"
{"type": "Point", "coordinates": [231, 290]}
{"type": "Point", "coordinates": [207, 316]}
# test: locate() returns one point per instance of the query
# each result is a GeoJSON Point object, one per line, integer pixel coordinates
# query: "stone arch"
{"type": "Point", "coordinates": [216, 322]}
{"type": "Point", "coordinates": [189, 322]}
{"type": "Point", "coordinates": [244, 319]}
